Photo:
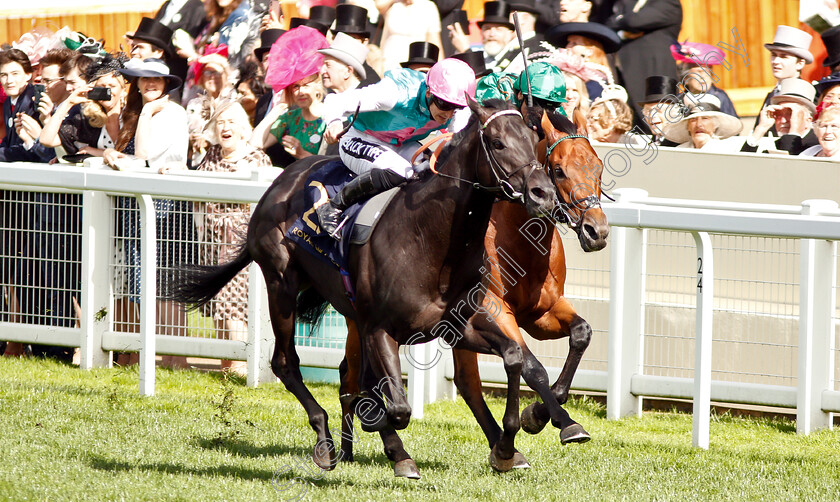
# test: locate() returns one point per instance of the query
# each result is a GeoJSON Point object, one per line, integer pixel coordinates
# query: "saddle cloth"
{"type": "Point", "coordinates": [361, 219]}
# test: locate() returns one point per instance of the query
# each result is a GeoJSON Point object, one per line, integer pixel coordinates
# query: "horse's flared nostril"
{"type": "Point", "coordinates": [591, 232]}
{"type": "Point", "coordinates": [538, 194]}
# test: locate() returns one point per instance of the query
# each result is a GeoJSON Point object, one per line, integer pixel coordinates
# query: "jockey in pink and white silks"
{"type": "Point", "coordinates": [394, 115]}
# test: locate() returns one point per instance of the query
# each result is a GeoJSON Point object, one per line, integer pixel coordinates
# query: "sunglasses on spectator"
{"type": "Point", "coordinates": [445, 106]}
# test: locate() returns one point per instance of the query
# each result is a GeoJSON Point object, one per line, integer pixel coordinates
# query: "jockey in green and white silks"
{"type": "Point", "coordinates": [394, 115]}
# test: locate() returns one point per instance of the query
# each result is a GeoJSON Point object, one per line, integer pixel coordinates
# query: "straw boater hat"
{"type": "Point", "coordinates": [349, 51]}
{"type": "Point", "coordinates": [796, 90]}
{"type": "Point", "coordinates": [706, 106]}
{"type": "Point", "coordinates": [792, 40]}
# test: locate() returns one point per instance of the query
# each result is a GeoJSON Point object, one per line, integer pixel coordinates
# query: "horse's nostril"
{"type": "Point", "coordinates": [538, 193]}
{"type": "Point", "coordinates": [591, 232]}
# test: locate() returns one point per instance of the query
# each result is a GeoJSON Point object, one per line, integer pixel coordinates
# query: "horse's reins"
{"type": "Point", "coordinates": [504, 187]}
{"type": "Point", "coordinates": [583, 205]}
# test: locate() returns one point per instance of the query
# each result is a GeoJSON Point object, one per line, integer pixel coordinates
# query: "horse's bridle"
{"type": "Point", "coordinates": [503, 188]}
{"type": "Point", "coordinates": [583, 205]}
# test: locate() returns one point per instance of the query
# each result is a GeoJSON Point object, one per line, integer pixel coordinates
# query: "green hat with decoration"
{"type": "Point", "coordinates": [495, 86]}
{"type": "Point", "coordinates": [547, 82]}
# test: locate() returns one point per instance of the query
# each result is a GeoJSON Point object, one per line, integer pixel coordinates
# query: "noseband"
{"type": "Point", "coordinates": [503, 188]}
{"type": "Point", "coordinates": [583, 205]}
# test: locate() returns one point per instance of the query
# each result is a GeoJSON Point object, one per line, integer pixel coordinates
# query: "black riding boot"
{"type": "Point", "coordinates": [360, 188]}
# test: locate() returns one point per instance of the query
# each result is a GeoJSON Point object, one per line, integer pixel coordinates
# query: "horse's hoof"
{"type": "Point", "coordinates": [406, 469]}
{"type": "Point", "coordinates": [342, 457]}
{"type": "Point", "coordinates": [325, 463]}
{"type": "Point", "coordinates": [574, 433]}
{"type": "Point", "coordinates": [529, 421]}
{"type": "Point", "coordinates": [500, 464]}
{"type": "Point", "coordinates": [520, 462]}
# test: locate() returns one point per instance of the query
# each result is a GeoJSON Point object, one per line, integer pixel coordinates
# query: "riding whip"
{"type": "Point", "coordinates": [524, 58]}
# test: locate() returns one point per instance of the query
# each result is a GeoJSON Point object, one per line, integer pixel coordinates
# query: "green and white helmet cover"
{"type": "Point", "coordinates": [496, 86]}
{"type": "Point", "coordinates": [547, 82]}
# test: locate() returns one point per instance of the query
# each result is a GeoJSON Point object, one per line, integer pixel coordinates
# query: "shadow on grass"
{"type": "Point", "coordinates": [245, 473]}
{"type": "Point", "coordinates": [245, 448]}
{"type": "Point", "coordinates": [286, 474]}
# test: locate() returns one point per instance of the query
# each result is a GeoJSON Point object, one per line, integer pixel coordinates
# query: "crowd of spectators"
{"type": "Point", "coordinates": [232, 86]}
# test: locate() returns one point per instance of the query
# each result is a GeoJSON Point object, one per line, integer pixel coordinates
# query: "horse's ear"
{"type": "Point", "coordinates": [580, 122]}
{"type": "Point", "coordinates": [548, 127]}
{"type": "Point", "coordinates": [472, 103]}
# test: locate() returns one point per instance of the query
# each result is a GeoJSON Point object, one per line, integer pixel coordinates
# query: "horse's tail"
{"type": "Point", "coordinates": [311, 306]}
{"type": "Point", "coordinates": [198, 284]}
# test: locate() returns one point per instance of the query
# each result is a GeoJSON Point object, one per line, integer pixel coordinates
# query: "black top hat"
{"type": "Point", "coordinates": [476, 62]}
{"type": "Point", "coordinates": [351, 19]}
{"type": "Point", "coordinates": [496, 13]}
{"type": "Point", "coordinates": [658, 87]}
{"type": "Point", "coordinates": [155, 33]}
{"type": "Point", "coordinates": [525, 6]}
{"type": "Point", "coordinates": [267, 39]}
{"type": "Point", "coordinates": [831, 39]}
{"type": "Point", "coordinates": [421, 53]}
{"type": "Point", "coordinates": [299, 21]}
{"type": "Point", "coordinates": [558, 35]}
{"type": "Point", "coordinates": [324, 14]}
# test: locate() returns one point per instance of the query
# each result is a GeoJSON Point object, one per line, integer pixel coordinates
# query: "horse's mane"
{"type": "Point", "coordinates": [468, 130]}
{"type": "Point", "coordinates": [562, 123]}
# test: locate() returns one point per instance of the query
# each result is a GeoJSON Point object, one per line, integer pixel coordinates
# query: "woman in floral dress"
{"type": "Point", "coordinates": [222, 225]}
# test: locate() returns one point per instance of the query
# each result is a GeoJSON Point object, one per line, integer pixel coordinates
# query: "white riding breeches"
{"type": "Point", "coordinates": [361, 153]}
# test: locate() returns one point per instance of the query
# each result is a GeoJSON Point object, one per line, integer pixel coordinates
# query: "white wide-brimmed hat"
{"type": "Point", "coordinates": [797, 90]}
{"type": "Point", "coordinates": [349, 51]}
{"type": "Point", "coordinates": [706, 105]}
{"type": "Point", "coordinates": [792, 40]}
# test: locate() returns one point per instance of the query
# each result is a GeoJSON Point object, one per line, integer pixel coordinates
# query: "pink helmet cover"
{"type": "Point", "coordinates": [450, 79]}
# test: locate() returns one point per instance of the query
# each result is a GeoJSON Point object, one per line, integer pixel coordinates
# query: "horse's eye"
{"type": "Point", "coordinates": [498, 145]}
{"type": "Point", "coordinates": [558, 172]}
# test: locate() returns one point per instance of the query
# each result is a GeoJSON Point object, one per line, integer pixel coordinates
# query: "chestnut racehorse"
{"type": "Point", "coordinates": [528, 283]}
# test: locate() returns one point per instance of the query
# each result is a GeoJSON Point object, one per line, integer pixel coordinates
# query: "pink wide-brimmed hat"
{"type": "Point", "coordinates": [294, 56]}
{"type": "Point", "coordinates": [697, 53]}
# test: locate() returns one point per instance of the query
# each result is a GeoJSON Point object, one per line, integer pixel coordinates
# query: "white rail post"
{"type": "Point", "coordinates": [95, 294]}
{"type": "Point", "coordinates": [703, 341]}
{"type": "Point", "coordinates": [260, 332]}
{"type": "Point", "coordinates": [816, 305]}
{"type": "Point", "coordinates": [437, 385]}
{"type": "Point", "coordinates": [627, 288]}
{"type": "Point", "coordinates": [148, 294]}
{"type": "Point", "coordinates": [416, 374]}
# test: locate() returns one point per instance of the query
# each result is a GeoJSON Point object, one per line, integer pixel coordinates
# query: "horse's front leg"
{"type": "Point", "coordinates": [561, 320]}
{"type": "Point", "coordinates": [468, 381]}
{"type": "Point", "coordinates": [484, 336]}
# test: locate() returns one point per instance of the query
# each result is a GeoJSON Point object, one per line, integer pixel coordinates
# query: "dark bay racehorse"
{"type": "Point", "coordinates": [528, 284]}
{"type": "Point", "coordinates": [418, 272]}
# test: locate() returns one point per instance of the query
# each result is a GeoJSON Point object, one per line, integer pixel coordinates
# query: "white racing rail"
{"type": "Point", "coordinates": [816, 223]}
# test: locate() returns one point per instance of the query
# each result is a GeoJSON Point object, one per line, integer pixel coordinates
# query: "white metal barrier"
{"type": "Point", "coordinates": [815, 223]}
